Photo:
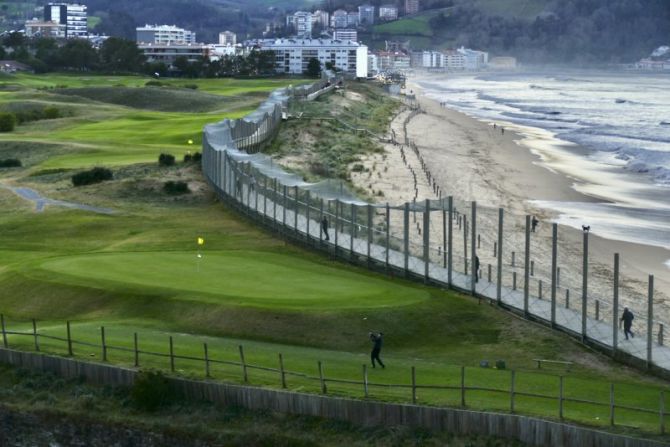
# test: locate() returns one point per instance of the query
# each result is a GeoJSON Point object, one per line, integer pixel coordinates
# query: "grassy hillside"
{"type": "Point", "coordinates": [524, 9]}
{"type": "Point", "coordinates": [136, 270]}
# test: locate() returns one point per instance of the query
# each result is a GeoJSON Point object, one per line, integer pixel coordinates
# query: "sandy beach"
{"type": "Point", "coordinates": [473, 160]}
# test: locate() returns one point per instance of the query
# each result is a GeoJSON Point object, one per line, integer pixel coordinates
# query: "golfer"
{"type": "Point", "coordinates": [376, 340]}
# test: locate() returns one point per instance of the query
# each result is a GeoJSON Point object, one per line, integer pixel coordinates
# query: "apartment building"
{"type": "Point", "coordinates": [164, 35]}
{"type": "Point", "coordinates": [73, 15]}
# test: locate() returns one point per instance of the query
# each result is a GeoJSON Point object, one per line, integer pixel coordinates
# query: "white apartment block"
{"type": "Point", "coordinates": [345, 34]}
{"type": "Point", "coordinates": [73, 15]}
{"type": "Point", "coordinates": [293, 55]}
{"type": "Point", "coordinates": [168, 53]}
{"type": "Point", "coordinates": [373, 65]}
{"type": "Point", "coordinates": [321, 18]}
{"type": "Point", "coordinates": [366, 15]}
{"type": "Point", "coordinates": [411, 6]}
{"type": "Point", "coordinates": [301, 22]}
{"type": "Point", "coordinates": [227, 38]}
{"type": "Point", "coordinates": [339, 19]}
{"type": "Point", "coordinates": [164, 35]}
{"type": "Point", "coordinates": [388, 12]}
{"type": "Point", "coordinates": [474, 60]}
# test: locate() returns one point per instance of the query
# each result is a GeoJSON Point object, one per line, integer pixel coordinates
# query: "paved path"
{"type": "Point", "coordinates": [41, 202]}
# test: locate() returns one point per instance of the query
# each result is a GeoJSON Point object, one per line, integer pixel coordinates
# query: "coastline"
{"type": "Point", "coordinates": [472, 160]}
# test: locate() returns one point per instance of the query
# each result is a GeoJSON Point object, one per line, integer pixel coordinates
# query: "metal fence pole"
{"type": "Point", "coordinates": [406, 237]}
{"type": "Point", "coordinates": [265, 197]}
{"type": "Point", "coordinates": [465, 245]}
{"type": "Point", "coordinates": [650, 320]}
{"type": "Point", "coordinates": [245, 376]}
{"type": "Point", "coordinates": [444, 236]}
{"type": "Point", "coordinates": [285, 203]}
{"type": "Point", "coordinates": [352, 235]}
{"type": "Point", "coordinates": [337, 222]}
{"type": "Point", "coordinates": [4, 331]}
{"type": "Point", "coordinates": [322, 379]}
{"type": "Point", "coordinates": [462, 386]}
{"type": "Point", "coordinates": [369, 208]}
{"type": "Point", "coordinates": [585, 283]}
{"type": "Point", "coordinates": [307, 218]}
{"type": "Point", "coordinates": [500, 256]}
{"type": "Point", "coordinates": [526, 269]}
{"type": "Point", "coordinates": [206, 360]}
{"type": "Point", "coordinates": [473, 244]}
{"type": "Point", "coordinates": [296, 192]}
{"type": "Point", "coordinates": [282, 373]}
{"type": "Point", "coordinates": [136, 349]}
{"type": "Point", "coordinates": [388, 233]}
{"type": "Point", "coordinates": [104, 344]}
{"type": "Point", "coordinates": [35, 336]}
{"type": "Point", "coordinates": [171, 354]}
{"type": "Point", "coordinates": [511, 392]}
{"type": "Point", "coordinates": [413, 385]}
{"type": "Point", "coordinates": [321, 220]}
{"type": "Point", "coordinates": [450, 241]}
{"type": "Point", "coordinates": [426, 241]}
{"type": "Point", "coordinates": [554, 272]}
{"type": "Point", "coordinates": [612, 404]}
{"type": "Point", "coordinates": [69, 338]}
{"type": "Point", "coordinates": [365, 380]}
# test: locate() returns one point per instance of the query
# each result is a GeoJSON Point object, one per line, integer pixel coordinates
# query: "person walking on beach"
{"type": "Point", "coordinates": [627, 320]}
{"type": "Point", "coordinates": [376, 340]}
{"type": "Point", "coordinates": [324, 227]}
{"type": "Point", "coordinates": [534, 223]}
{"type": "Point", "coordinates": [502, 130]}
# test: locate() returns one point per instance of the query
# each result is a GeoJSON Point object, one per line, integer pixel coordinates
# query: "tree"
{"type": "Point", "coordinates": [7, 122]}
{"type": "Point", "coordinates": [78, 54]}
{"type": "Point", "coordinates": [313, 68]}
{"type": "Point", "coordinates": [118, 54]}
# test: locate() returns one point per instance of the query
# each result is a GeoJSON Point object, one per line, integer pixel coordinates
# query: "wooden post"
{"type": "Point", "coordinates": [36, 337]}
{"type": "Point", "coordinates": [450, 241]}
{"type": "Point", "coordinates": [282, 373]}
{"type": "Point", "coordinates": [585, 283]}
{"type": "Point", "coordinates": [104, 344]}
{"type": "Point", "coordinates": [462, 386]}
{"type": "Point", "coordinates": [650, 320]}
{"type": "Point", "coordinates": [322, 378]}
{"type": "Point", "coordinates": [511, 392]}
{"type": "Point", "coordinates": [69, 338]}
{"type": "Point", "coordinates": [526, 269]}
{"type": "Point", "coordinates": [365, 380]}
{"type": "Point", "coordinates": [560, 397]}
{"type": "Point", "coordinates": [137, 350]}
{"type": "Point", "coordinates": [413, 385]}
{"type": "Point", "coordinates": [500, 256]}
{"type": "Point", "coordinates": [661, 413]}
{"type": "Point", "coordinates": [204, 345]}
{"type": "Point", "coordinates": [4, 332]}
{"type": "Point", "coordinates": [473, 247]}
{"type": "Point", "coordinates": [612, 404]}
{"type": "Point", "coordinates": [426, 241]}
{"type": "Point", "coordinates": [245, 376]}
{"type": "Point", "coordinates": [171, 354]}
{"type": "Point", "coordinates": [554, 271]}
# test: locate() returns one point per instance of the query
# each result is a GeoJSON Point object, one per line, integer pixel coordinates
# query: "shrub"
{"type": "Point", "coordinates": [10, 163]}
{"type": "Point", "coordinates": [7, 122]}
{"type": "Point", "coordinates": [95, 175]}
{"type": "Point", "coordinates": [176, 188]}
{"type": "Point", "coordinates": [188, 158]}
{"type": "Point", "coordinates": [166, 160]}
{"type": "Point", "coordinates": [151, 391]}
{"type": "Point", "coordinates": [153, 84]}
{"type": "Point", "coordinates": [197, 157]}
{"type": "Point", "coordinates": [191, 86]}
{"type": "Point", "coordinates": [51, 113]}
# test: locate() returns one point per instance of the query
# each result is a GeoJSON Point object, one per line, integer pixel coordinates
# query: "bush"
{"type": "Point", "coordinates": [7, 122]}
{"type": "Point", "coordinates": [151, 391]}
{"type": "Point", "coordinates": [197, 157]}
{"type": "Point", "coordinates": [176, 188]}
{"type": "Point", "coordinates": [188, 158]}
{"type": "Point", "coordinates": [191, 86]}
{"type": "Point", "coordinates": [10, 163]}
{"type": "Point", "coordinates": [51, 113]}
{"type": "Point", "coordinates": [153, 84]}
{"type": "Point", "coordinates": [95, 175]}
{"type": "Point", "coordinates": [166, 160]}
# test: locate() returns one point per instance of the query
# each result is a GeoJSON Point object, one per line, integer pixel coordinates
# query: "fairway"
{"type": "Point", "coordinates": [240, 278]}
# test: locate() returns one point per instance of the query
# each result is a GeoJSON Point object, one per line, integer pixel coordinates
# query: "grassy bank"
{"type": "Point", "coordinates": [136, 270]}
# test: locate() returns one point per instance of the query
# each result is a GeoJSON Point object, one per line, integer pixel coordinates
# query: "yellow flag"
{"type": "Point", "coordinates": [201, 241]}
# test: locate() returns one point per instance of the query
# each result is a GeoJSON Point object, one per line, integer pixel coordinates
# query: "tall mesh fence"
{"type": "Point", "coordinates": [537, 269]}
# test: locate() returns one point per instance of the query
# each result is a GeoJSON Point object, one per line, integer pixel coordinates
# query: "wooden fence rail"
{"type": "Point", "coordinates": [363, 384]}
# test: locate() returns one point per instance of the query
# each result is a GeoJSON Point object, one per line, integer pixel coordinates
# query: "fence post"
{"type": "Point", "coordinates": [513, 280]}
{"type": "Point", "coordinates": [296, 193]}
{"type": "Point", "coordinates": [597, 310]}
{"type": "Point", "coordinates": [137, 350]}
{"type": "Point", "coordinates": [526, 269]}
{"type": "Point", "coordinates": [69, 338]}
{"type": "Point", "coordinates": [282, 374]}
{"type": "Point", "coordinates": [274, 201]}
{"type": "Point", "coordinates": [444, 236]}
{"type": "Point", "coordinates": [322, 379]}
{"type": "Point", "coordinates": [307, 209]}
{"type": "Point", "coordinates": [465, 245]}
{"type": "Point", "coordinates": [352, 235]}
{"type": "Point", "coordinates": [337, 222]}
{"type": "Point", "coordinates": [489, 273]}
{"type": "Point", "coordinates": [462, 386]}
{"type": "Point", "coordinates": [206, 360]}
{"type": "Point", "coordinates": [558, 277]}
{"type": "Point", "coordinates": [388, 233]}
{"type": "Point", "coordinates": [35, 336]}
{"type": "Point", "coordinates": [500, 256]}
{"type": "Point", "coordinates": [171, 354]}
{"type": "Point", "coordinates": [406, 237]}
{"type": "Point", "coordinates": [511, 392]}
{"type": "Point", "coordinates": [554, 271]}
{"type": "Point", "coordinates": [4, 332]}
{"type": "Point", "coordinates": [532, 268]}
{"type": "Point", "coordinates": [426, 241]}
{"type": "Point", "coordinates": [513, 259]}
{"type": "Point", "coordinates": [560, 397]}
{"type": "Point", "coordinates": [365, 380]}
{"type": "Point", "coordinates": [661, 411]}
{"type": "Point", "coordinates": [660, 334]}
{"type": "Point", "coordinates": [320, 220]}
{"type": "Point", "coordinates": [450, 241]}
{"type": "Point", "coordinates": [265, 197]}
{"type": "Point", "coordinates": [612, 404]}
{"type": "Point", "coordinates": [650, 320]}
{"type": "Point", "coordinates": [104, 344]}
{"type": "Point", "coordinates": [539, 289]}
{"type": "Point", "coordinates": [245, 376]}
{"type": "Point", "coordinates": [585, 283]}
{"type": "Point", "coordinates": [413, 385]}
{"type": "Point", "coordinates": [369, 207]}
{"type": "Point", "coordinates": [473, 245]}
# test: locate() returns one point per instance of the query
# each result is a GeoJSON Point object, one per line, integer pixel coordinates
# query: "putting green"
{"type": "Point", "coordinates": [231, 277]}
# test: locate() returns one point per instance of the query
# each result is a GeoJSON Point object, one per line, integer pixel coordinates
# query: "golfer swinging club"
{"type": "Point", "coordinates": [376, 340]}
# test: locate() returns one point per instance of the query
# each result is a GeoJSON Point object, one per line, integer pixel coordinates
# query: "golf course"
{"type": "Point", "coordinates": [139, 269]}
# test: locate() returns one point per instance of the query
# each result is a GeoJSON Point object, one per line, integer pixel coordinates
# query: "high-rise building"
{"type": "Point", "coordinates": [302, 23]}
{"type": "Point", "coordinates": [388, 12]}
{"type": "Point", "coordinates": [72, 15]}
{"type": "Point", "coordinates": [345, 34]}
{"type": "Point", "coordinates": [227, 38]}
{"type": "Point", "coordinates": [366, 15]}
{"type": "Point", "coordinates": [321, 18]}
{"type": "Point", "coordinates": [411, 6]}
{"type": "Point", "coordinates": [339, 19]}
{"type": "Point", "coordinates": [164, 35]}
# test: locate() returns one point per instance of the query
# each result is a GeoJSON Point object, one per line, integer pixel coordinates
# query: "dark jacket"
{"type": "Point", "coordinates": [376, 339]}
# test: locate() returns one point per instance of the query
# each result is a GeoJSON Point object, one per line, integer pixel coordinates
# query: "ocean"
{"type": "Point", "coordinates": [608, 132]}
